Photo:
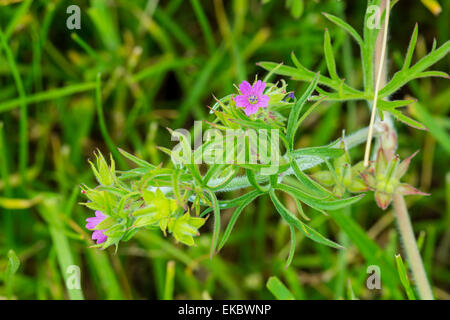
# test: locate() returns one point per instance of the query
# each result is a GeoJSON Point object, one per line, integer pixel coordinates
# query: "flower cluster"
{"type": "Point", "coordinates": [121, 209]}
{"type": "Point", "coordinates": [383, 178]}
{"type": "Point", "coordinates": [155, 197]}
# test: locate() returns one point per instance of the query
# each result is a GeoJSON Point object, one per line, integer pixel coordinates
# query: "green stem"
{"type": "Point", "coordinates": [101, 119]}
{"type": "Point", "coordinates": [401, 211]}
{"type": "Point", "coordinates": [410, 246]}
{"type": "Point", "coordinates": [304, 162]}
{"type": "Point", "coordinates": [23, 125]}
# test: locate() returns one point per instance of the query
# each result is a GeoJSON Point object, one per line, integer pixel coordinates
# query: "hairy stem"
{"type": "Point", "coordinates": [304, 162]}
{"type": "Point", "coordinates": [412, 252]}
{"type": "Point", "coordinates": [401, 211]}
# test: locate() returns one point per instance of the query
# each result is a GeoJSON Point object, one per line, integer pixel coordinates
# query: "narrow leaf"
{"type": "Point", "coordinates": [309, 183]}
{"type": "Point", "coordinates": [323, 152]}
{"type": "Point", "coordinates": [411, 47]}
{"type": "Point", "coordinates": [292, 220]}
{"type": "Point", "coordinates": [329, 56]}
{"type": "Point", "coordinates": [136, 160]}
{"type": "Point", "coordinates": [316, 203]}
{"type": "Point", "coordinates": [402, 274]}
{"type": "Point", "coordinates": [216, 232]}
{"type": "Point", "coordinates": [344, 25]}
{"type": "Point", "coordinates": [296, 110]}
{"type": "Point", "coordinates": [278, 289]}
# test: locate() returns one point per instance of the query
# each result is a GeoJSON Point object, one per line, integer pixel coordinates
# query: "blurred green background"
{"type": "Point", "coordinates": [161, 62]}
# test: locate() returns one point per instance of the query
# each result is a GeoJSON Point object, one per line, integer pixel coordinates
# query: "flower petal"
{"type": "Point", "coordinates": [99, 214]}
{"type": "Point", "coordinates": [92, 222]}
{"type": "Point", "coordinates": [258, 87]}
{"type": "Point", "coordinates": [241, 102]}
{"type": "Point", "coordinates": [245, 88]}
{"type": "Point", "coordinates": [99, 236]}
{"type": "Point", "coordinates": [263, 101]}
{"type": "Point", "coordinates": [251, 109]}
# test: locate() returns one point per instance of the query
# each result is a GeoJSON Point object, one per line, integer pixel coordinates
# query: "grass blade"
{"type": "Point", "coordinates": [278, 289]}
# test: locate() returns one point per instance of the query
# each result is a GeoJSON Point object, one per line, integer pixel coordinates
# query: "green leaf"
{"type": "Point", "coordinates": [344, 25]}
{"type": "Point", "coordinates": [106, 223]}
{"type": "Point", "coordinates": [316, 203]}
{"type": "Point", "coordinates": [310, 110]}
{"type": "Point", "coordinates": [216, 228]}
{"type": "Point", "coordinates": [11, 269]}
{"type": "Point", "coordinates": [159, 210]}
{"type": "Point", "coordinates": [329, 56]}
{"type": "Point", "coordinates": [185, 227]}
{"type": "Point", "coordinates": [296, 110]}
{"type": "Point", "coordinates": [407, 120]}
{"type": "Point", "coordinates": [405, 75]}
{"type": "Point", "coordinates": [350, 293]}
{"type": "Point", "coordinates": [252, 179]}
{"type": "Point", "coordinates": [291, 248]}
{"type": "Point", "coordinates": [427, 74]}
{"type": "Point", "coordinates": [389, 105]}
{"type": "Point", "coordinates": [322, 152]}
{"type": "Point", "coordinates": [136, 160]}
{"type": "Point", "coordinates": [404, 277]}
{"type": "Point", "coordinates": [309, 183]}
{"type": "Point", "coordinates": [227, 204]}
{"type": "Point", "coordinates": [299, 66]}
{"type": "Point", "coordinates": [170, 281]}
{"type": "Point", "coordinates": [297, 74]}
{"type": "Point", "coordinates": [411, 47]}
{"type": "Point", "coordinates": [292, 220]}
{"type": "Point", "coordinates": [278, 289]}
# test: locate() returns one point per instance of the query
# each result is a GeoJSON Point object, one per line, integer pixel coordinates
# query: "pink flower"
{"type": "Point", "coordinates": [252, 97]}
{"type": "Point", "coordinates": [92, 222]}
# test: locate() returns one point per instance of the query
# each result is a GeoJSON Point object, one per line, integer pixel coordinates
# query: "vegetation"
{"type": "Point", "coordinates": [164, 229]}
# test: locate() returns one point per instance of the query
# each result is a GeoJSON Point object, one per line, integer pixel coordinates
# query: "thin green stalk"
{"type": "Point", "coordinates": [23, 125]}
{"type": "Point", "coordinates": [8, 215]}
{"type": "Point", "coordinates": [20, 12]}
{"type": "Point", "coordinates": [47, 95]}
{"type": "Point", "coordinates": [204, 24]}
{"type": "Point", "coordinates": [86, 47]}
{"type": "Point", "coordinates": [49, 210]}
{"type": "Point", "coordinates": [101, 118]}
{"type": "Point", "coordinates": [170, 279]}
{"type": "Point", "coordinates": [410, 246]}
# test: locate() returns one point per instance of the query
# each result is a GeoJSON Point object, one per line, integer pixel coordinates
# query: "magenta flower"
{"type": "Point", "coordinates": [92, 222]}
{"type": "Point", "coordinates": [252, 97]}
